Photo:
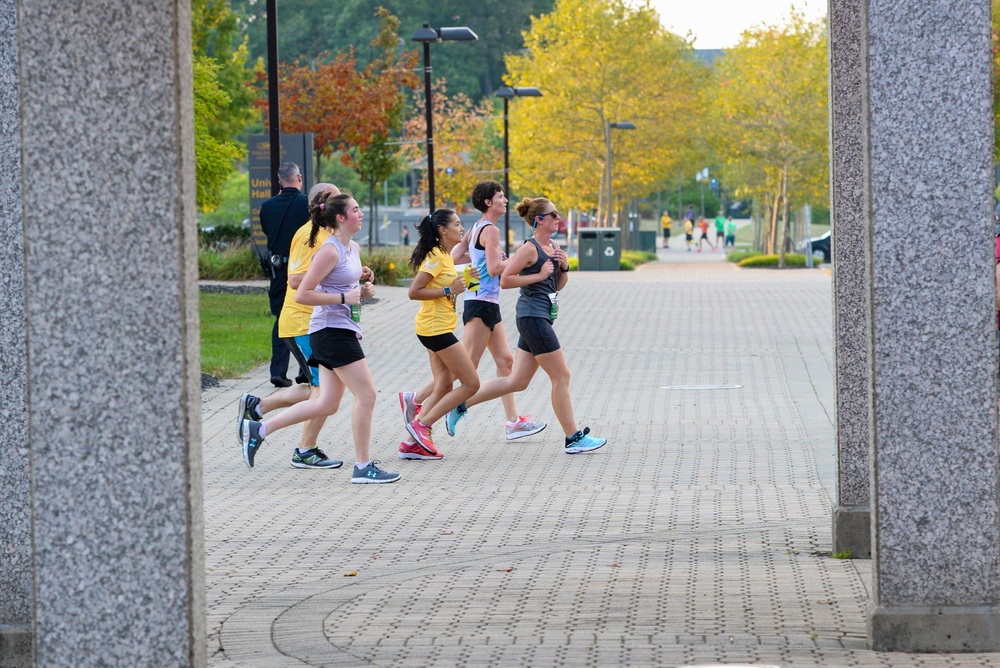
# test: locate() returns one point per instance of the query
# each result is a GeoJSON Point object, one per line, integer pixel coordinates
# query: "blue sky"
{"type": "Point", "coordinates": [717, 24]}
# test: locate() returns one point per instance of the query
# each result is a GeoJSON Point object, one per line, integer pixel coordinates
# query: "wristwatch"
{"type": "Point", "coordinates": [447, 291]}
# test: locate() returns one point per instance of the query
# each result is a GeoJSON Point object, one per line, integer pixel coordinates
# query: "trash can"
{"type": "Point", "coordinates": [589, 253]}
{"type": "Point", "coordinates": [647, 240]}
{"type": "Point", "coordinates": [609, 248]}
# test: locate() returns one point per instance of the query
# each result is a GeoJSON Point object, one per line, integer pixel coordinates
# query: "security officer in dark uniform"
{"type": "Point", "coordinates": [280, 217]}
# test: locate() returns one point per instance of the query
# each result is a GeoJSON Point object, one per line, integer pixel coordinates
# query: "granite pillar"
{"type": "Point", "coordinates": [928, 101]}
{"type": "Point", "coordinates": [113, 387]}
{"type": "Point", "coordinates": [15, 511]}
{"type": "Point", "coordinates": [851, 522]}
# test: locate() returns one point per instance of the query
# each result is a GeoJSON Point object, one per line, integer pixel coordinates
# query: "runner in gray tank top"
{"type": "Point", "coordinates": [332, 285]}
{"type": "Point", "coordinates": [484, 328]}
{"type": "Point", "coordinates": [539, 269]}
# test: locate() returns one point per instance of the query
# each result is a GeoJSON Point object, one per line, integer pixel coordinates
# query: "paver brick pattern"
{"type": "Point", "coordinates": [699, 534]}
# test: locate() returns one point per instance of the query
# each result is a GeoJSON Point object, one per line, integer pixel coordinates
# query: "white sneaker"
{"type": "Point", "coordinates": [523, 427]}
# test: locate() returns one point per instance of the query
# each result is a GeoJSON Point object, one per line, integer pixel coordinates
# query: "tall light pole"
{"type": "Point", "coordinates": [428, 35]}
{"type": "Point", "coordinates": [507, 92]}
{"type": "Point", "coordinates": [273, 114]}
{"type": "Point", "coordinates": [622, 125]}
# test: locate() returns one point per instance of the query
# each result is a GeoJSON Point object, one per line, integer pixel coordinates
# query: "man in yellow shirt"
{"type": "Point", "coordinates": [665, 222]}
{"type": "Point", "coordinates": [293, 329]}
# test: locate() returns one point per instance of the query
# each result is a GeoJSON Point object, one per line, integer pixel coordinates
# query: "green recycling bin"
{"type": "Point", "coordinates": [589, 254]}
{"type": "Point", "coordinates": [647, 240]}
{"type": "Point", "coordinates": [609, 248]}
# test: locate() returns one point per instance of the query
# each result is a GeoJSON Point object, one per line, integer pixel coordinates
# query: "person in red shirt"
{"type": "Point", "coordinates": [703, 226]}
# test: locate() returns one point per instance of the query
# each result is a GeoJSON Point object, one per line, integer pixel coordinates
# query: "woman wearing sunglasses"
{"type": "Point", "coordinates": [539, 268]}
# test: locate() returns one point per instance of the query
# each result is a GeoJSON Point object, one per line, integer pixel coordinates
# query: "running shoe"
{"type": "Point", "coordinates": [421, 433]}
{"type": "Point", "coordinates": [372, 474]}
{"type": "Point", "coordinates": [453, 417]}
{"type": "Point", "coordinates": [249, 409]}
{"type": "Point", "coordinates": [410, 450]}
{"type": "Point", "coordinates": [251, 440]}
{"type": "Point", "coordinates": [314, 458]}
{"type": "Point", "coordinates": [410, 408]}
{"type": "Point", "coordinates": [582, 441]}
{"type": "Point", "coordinates": [523, 427]}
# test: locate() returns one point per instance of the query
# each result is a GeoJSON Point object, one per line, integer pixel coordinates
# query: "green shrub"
{"type": "Point", "coordinates": [237, 262]}
{"type": "Point", "coordinates": [625, 265]}
{"type": "Point", "coordinates": [791, 260]}
{"type": "Point", "coordinates": [223, 236]}
{"type": "Point", "coordinates": [388, 265]}
{"type": "Point", "coordinates": [740, 255]}
{"type": "Point", "coordinates": [573, 263]}
{"type": "Point", "coordinates": [637, 257]}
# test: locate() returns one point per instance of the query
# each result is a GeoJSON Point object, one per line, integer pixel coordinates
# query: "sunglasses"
{"type": "Point", "coordinates": [553, 213]}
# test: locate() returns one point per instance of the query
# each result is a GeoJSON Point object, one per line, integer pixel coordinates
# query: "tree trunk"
{"type": "Point", "coordinates": [785, 237]}
{"type": "Point", "coordinates": [371, 215]}
{"type": "Point", "coordinates": [319, 167]}
{"type": "Point", "coordinates": [772, 224]}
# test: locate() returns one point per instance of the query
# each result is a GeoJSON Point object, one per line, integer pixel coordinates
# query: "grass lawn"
{"type": "Point", "coordinates": [235, 332]}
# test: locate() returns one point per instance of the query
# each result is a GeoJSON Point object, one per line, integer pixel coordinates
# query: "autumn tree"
{"type": "Point", "coordinates": [465, 146]}
{"type": "Point", "coordinates": [599, 62]}
{"type": "Point", "coordinates": [223, 103]}
{"type": "Point", "coordinates": [770, 119]}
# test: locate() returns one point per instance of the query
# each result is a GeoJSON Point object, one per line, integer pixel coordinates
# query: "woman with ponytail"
{"type": "Point", "coordinates": [436, 285]}
{"type": "Point", "coordinates": [332, 285]}
{"type": "Point", "coordinates": [539, 268]}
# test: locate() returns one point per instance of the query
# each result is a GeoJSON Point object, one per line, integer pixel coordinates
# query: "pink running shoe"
{"type": "Point", "coordinates": [410, 450]}
{"type": "Point", "coordinates": [421, 433]}
{"type": "Point", "coordinates": [523, 427]}
{"type": "Point", "coordinates": [410, 408]}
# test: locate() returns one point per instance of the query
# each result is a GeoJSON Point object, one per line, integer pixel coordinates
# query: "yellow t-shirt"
{"type": "Point", "coordinates": [437, 316]}
{"type": "Point", "coordinates": [665, 221]}
{"type": "Point", "coordinates": [294, 318]}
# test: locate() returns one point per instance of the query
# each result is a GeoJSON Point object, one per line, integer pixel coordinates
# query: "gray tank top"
{"type": "Point", "coordinates": [534, 300]}
{"type": "Point", "coordinates": [344, 278]}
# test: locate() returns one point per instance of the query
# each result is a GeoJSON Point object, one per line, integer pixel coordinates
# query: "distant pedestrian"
{"type": "Point", "coordinates": [405, 234]}
{"type": "Point", "coordinates": [688, 233]}
{"type": "Point", "coordinates": [730, 232]}
{"type": "Point", "coordinates": [720, 230]}
{"type": "Point", "coordinates": [703, 226]}
{"type": "Point", "coordinates": [665, 223]}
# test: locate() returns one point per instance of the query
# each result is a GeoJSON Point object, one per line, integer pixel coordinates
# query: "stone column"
{"type": "Point", "coordinates": [851, 525]}
{"type": "Point", "coordinates": [933, 346]}
{"type": "Point", "coordinates": [112, 327]}
{"type": "Point", "coordinates": [15, 487]}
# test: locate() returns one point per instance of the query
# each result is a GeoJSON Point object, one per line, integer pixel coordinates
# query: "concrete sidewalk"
{"type": "Point", "coordinates": [700, 534]}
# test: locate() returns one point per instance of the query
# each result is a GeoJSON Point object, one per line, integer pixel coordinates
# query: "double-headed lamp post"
{"type": "Point", "coordinates": [507, 92]}
{"type": "Point", "coordinates": [622, 125]}
{"type": "Point", "coordinates": [428, 35]}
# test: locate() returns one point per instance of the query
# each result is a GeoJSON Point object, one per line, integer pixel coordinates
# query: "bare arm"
{"type": "Point", "coordinates": [525, 255]}
{"type": "Point", "coordinates": [559, 256]}
{"type": "Point", "coordinates": [460, 253]}
{"type": "Point", "coordinates": [323, 262]}
{"type": "Point", "coordinates": [490, 240]}
{"type": "Point", "coordinates": [420, 292]}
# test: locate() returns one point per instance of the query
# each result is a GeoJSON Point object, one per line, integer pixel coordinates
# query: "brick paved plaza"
{"type": "Point", "coordinates": [700, 534]}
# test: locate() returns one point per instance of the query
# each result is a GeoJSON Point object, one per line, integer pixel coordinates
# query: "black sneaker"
{"type": "Point", "coordinates": [372, 474]}
{"type": "Point", "coordinates": [280, 381]}
{"type": "Point", "coordinates": [314, 459]}
{"type": "Point", "coordinates": [251, 440]}
{"type": "Point", "coordinates": [249, 409]}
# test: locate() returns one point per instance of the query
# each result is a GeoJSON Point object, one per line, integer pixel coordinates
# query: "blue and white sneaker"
{"type": "Point", "coordinates": [251, 440]}
{"type": "Point", "coordinates": [249, 409]}
{"type": "Point", "coordinates": [453, 417]}
{"type": "Point", "coordinates": [372, 474]}
{"type": "Point", "coordinates": [582, 441]}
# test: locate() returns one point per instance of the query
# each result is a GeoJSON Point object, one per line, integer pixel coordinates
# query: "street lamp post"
{"type": "Point", "coordinates": [273, 114]}
{"type": "Point", "coordinates": [428, 35]}
{"type": "Point", "coordinates": [622, 125]}
{"type": "Point", "coordinates": [507, 92]}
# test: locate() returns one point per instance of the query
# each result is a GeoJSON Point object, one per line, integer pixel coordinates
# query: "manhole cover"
{"type": "Point", "coordinates": [700, 387]}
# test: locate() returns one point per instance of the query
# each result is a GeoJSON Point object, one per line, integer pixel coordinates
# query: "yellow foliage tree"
{"type": "Point", "coordinates": [599, 62]}
{"type": "Point", "coordinates": [770, 119]}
